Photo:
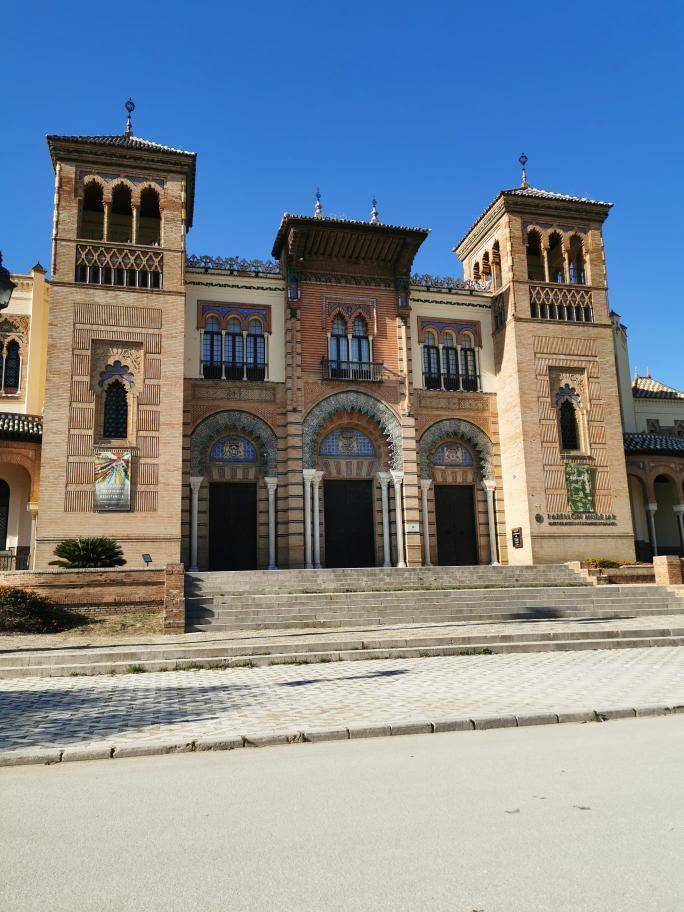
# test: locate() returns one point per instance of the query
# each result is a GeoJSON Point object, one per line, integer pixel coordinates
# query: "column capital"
{"type": "Point", "coordinates": [196, 481]}
{"type": "Point", "coordinates": [308, 474]}
{"type": "Point", "coordinates": [271, 483]}
{"type": "Point", "coordinates": [316, 477]}
{"type": "Point", "coordinates": [651, 507]}
{"type": "Point", "coordinates": [384, 478]}
{"type": "Point", "coordinates": [33, 508]}
{"type": "Point", "coordinates": [397, 476]}
{"type": "Point", "coordinates": [489, 484]}
{"type": "Point", "coordinates": [425, 483]}
{"type": "Point", "coordinates": [678, 508]}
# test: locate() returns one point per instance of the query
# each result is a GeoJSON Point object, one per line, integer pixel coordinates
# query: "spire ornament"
{"type": "Point", "coordinates": [375, 215]}
{"type": "Point", "coordinates": [318, 210]}
{"type": "Point", "coordinates": [523, 161]}
{"type": "Point", "coordinates": [130, 107]}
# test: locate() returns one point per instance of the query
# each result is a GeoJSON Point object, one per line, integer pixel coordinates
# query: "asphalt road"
{"type": "Point", "coordinates": [569, 817]}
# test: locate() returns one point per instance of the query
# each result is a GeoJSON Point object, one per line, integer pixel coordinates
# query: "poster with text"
{"type": "Point", "coordinates": [580, 485]}
{"type": "Point", "coordinates": [113, 481]}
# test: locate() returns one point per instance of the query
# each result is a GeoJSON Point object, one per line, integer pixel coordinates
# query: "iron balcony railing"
{"type": "Point", "coordinates": [452, 383]}
{"type": "Point", "coordinates": [358, 371]}
{"type": "Point", "coordinates": [233, 370]}
{"type": "Point", "coordinates": [15, 558]}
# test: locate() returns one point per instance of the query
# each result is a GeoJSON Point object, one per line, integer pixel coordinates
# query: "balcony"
{"type": "Point", "coordinates": [233, 370]}
{"type": "Point", "coordinates": [354, 371]}
{"type": "Point", "coordinates": [125, 267]}
{"type": "Point", "coordinates": [452, 383]}
{"type": "Point", "coordinates": [564, 303]}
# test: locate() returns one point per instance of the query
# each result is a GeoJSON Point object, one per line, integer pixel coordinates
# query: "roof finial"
{"type": "Point", "coordinates": [375, 215]}
{"type": "Point", "coordinates": [130, 107]}
{"type": "Point", "coordinates": [523, 162]}
{"type": "Point", "coordinates": [318, 211]}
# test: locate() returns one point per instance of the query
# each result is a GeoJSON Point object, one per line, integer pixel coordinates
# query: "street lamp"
{"type": "Point", "coordinates": [7, 286]}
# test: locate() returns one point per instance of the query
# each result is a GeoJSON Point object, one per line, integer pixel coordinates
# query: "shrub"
{"type": "Point", "coordinates": [77, 553]}
{"type": "Point", "coordinates": [24, 611]}
{"type": "Point", "coordinates": [594, 563]}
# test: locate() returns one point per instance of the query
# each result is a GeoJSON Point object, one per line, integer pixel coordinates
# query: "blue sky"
{"type": "Point", "coordinates": [427, 105]}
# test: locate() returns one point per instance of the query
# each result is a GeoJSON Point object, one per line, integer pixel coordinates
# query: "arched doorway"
{"type": "Point", "coordinates": [458, 490]}
{"type": "Point", "coordinates": [353, 473]}
{"type": "Point", "coordinates": [642, 536]}
{"type": "Point", "coordinates": [233, 485]}
{"type": "Point", "coordinates": [15, 518]}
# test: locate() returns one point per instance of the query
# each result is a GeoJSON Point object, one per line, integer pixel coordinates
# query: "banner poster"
{"type": "Point", "coordinates": [579, 482]}
{"type": "Point", "coordinates": [112, 481]}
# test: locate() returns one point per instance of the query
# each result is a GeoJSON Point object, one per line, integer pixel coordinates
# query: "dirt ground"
{"type": "Point", "coordinates": [99, 629]}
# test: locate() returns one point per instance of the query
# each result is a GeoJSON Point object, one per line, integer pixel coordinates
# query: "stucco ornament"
{"type": "Point", "coordinates": [462, 430]}
{"type": "Point", "coordinates": [221, 423]}
{"type": "Point", "coordinates": [363, 404]}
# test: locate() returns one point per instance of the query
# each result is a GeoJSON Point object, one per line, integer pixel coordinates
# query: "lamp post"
{"type": "Point", "coordinates": [7, 286]}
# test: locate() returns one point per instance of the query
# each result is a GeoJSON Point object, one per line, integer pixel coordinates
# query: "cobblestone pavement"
{"type": "Point", "coordinates": [133, 708]}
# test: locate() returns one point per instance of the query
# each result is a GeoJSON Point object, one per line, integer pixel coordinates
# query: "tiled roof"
{"type": "Point", "coordinates": [122, 140]}
{"type": "Point", "coordinates": [648, 388]}
{"type": "Point", "coordinates": [21, 427]}
{"type": "Point", "coordinates": [534, 193]}
{"type": "Point", "coordinates": [654, 443]}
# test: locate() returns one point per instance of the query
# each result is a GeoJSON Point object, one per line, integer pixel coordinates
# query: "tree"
{"type": "Point", "coordinates": [77, 553]}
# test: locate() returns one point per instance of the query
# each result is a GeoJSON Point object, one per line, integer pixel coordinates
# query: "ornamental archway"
{"type": "Point", "coordinates": [233, 480]}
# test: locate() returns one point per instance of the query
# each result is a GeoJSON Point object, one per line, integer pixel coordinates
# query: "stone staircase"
{"type": "Point", "coordinates": [313, 599]}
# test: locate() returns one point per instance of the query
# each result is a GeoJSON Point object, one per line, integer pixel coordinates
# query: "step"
{"type": "Point", "coordinates": [397, 648]}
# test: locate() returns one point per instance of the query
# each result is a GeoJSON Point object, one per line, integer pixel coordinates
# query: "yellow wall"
{"type": "Point", "coordinates": [30, 299]}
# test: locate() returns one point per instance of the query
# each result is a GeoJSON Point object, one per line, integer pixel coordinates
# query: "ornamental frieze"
{"type": "Point", "coordinates": [203, 390]}
{"type": "Point", "coordinates": [443, 403]}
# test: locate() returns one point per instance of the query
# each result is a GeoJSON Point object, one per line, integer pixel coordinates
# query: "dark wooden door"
{"type": "Point", "coordinates": [348, 512]}
{"type": "Point", "coordinates": [232, 526]}
{"type": "Point", "coordinates": [455, 513]}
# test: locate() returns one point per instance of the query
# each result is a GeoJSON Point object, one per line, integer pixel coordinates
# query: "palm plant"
{"type": "Point", "coordinates": [77, 553]}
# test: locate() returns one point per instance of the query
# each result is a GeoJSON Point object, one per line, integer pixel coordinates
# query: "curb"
{"type": "Point", "coordinates": [106, 751]}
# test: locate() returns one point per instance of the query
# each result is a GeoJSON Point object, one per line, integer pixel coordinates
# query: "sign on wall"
{"type": "Point", "coordinates": [112, 481]}
{"type": "Point", "coordinates": [517, 537]}
{"type": "Point", "coordinates": [580, 484]}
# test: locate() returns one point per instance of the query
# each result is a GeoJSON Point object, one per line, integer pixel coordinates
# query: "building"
{"type": "Point", "coordinates": [327, 407]}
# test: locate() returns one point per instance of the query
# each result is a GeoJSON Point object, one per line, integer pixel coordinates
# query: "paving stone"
{"type": "Point", "coordinates": [617, 713]}
{"type": "Point", "coordinates": [411, 728]}
{"type": "Point", "coordinates": [326, 734]}
{"type": "Point", "coordinates": [88, 752]}
{"type": "Point", "coordinates": [450, 725]}
{"type": "Point", "coordinates": [484, 722]}
{"type": "Point", "coordinates": [148, 748]}
{"type": "Point", "coordinates": [369, 731]}
{"type": "Point", "coordinates": [219, 744]}
{"type": "Point", "coordinates": [36, 755]}
{"type": "Point", "coordinates": [537, 719]}
{"type": "Point", "coordinates": [577, 716]}
{"type": "Point", "coordinates": [654, 709]}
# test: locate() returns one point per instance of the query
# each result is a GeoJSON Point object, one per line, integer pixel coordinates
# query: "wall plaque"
{"type": "Point", "coordinates": [580, 484]}
{"type": "Point", "coordinates": [517, 537]}
{"type": "Point", "coordinates": [112, 481]}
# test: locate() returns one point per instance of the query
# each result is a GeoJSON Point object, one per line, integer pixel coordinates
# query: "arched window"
{"type": "Point", "coordinates": [450, 362]}
{"type": "Point", "coordinates": [149, 223]}
{"type": "Point", "coordinates": [121, 216]}
{"type": "Point", "coordinates": [468, 363]}
{"type": "Point", "coordinates": [432, 377]}
{"type": "Point", "coordinates": [92, 213]}
{"type": "Point", "coordinates": [360, 350]}
{"type": "Point", "coordinates": [339, 349]}
{"type": "Point", "coordinates": [535, 260]}
{"type": "Point", "coordinates": [496, 265]}
{"type": "Point", "coordinates": [212, 356]}
{"type": "Point", "coordinates": [486, 267]}
{"type": "Point", "coordinates": [476, 271]}
{"type": "Point", "coordinates": [4, 513]}
{"type": "Point", "coordinates": [256, 351]}
{"type": "Point", "coordinates": [556, 266]}
{"type": "Point", "coordinates": [12, 368]}
{"type": "Point", "coordinates": [569, 431]}
{"type": "Point", "coordinates": [115, 413]}
{"type": "Point", "coordinates": [234, 350]}
{"type": "Point", "coordinates": [577, 271]}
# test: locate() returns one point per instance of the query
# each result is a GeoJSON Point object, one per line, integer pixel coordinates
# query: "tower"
{"type": "Point", "coordinates": [563, 466]}
{"type": "Point", "coordinates": [112, 440]}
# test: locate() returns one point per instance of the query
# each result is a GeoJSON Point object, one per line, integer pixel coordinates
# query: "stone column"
{"type": "Point", "coordinates": [425, 487]}
{"type": "Point", "coordinates": [107, 207]}
{"type": "Point", "coordinates": [489, 486]}
{"type": "Point", "coordinates": [384, 479]}
{"type": "Point", "coordinates": [397, 479]}
{"type": "Point", "coordinates": [33, 510]}
{"type": "Point", "coordinates": [316, 479]}
{"type": "Point", "coordinates": [271, 484]}
{"type": "Point", "coordinates": [679, 513]}
{"type": "Point", "coordinates": [651, 509]}
{"type": "Point", "coordinates": [195, 484]}
{"type": "Point", "coordinates": [307, 475]}
{"type": "Point", "coordinates": [135, 212]}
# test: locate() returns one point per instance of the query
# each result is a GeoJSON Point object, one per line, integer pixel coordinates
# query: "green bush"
{"type": "Point", "coordinates": [594, 563]}
{"type": "Point", "coordinates": [24, 611]}
{"type": "Point", "coordinates": [78, 553]}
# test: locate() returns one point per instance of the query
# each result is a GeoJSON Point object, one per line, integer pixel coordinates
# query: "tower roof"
{"type": "Point", "coordinates": [527, 198]}
{"type": "Point", "coordinates": [98, 150]}
{"type": "Point", "coordinates": [649, 388]}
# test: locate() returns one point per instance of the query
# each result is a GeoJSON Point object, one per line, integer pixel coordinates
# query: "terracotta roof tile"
{"type": "Point", "coordinates": [649, 388]}
{"type": "Point", "coordinates": [654, 443]}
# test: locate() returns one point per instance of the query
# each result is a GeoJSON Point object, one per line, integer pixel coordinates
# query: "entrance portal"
{"type": "Point", "coordinates": [348, 510]}
{"type": "Point", "coordinates": [232, 526]}
{"type": "Point", "coordinates": [455, 514]}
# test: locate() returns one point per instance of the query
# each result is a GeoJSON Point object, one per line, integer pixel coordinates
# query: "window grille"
{"type": "Point", "coordinates": [568, 427]}
{"type": "Point", "coordinates": [115, 421]}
